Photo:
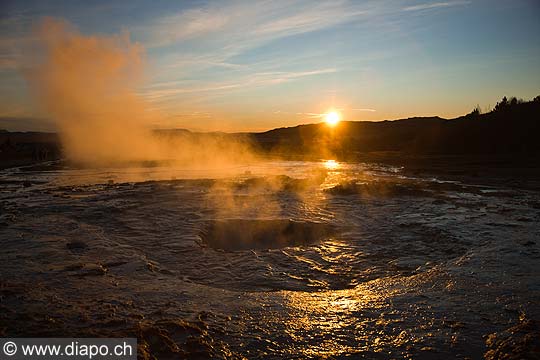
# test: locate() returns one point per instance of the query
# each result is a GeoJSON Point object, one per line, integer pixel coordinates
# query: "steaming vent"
{"type": "Point", "coordinates": [240, 234]}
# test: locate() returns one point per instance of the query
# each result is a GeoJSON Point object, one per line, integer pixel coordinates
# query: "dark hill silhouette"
{"type": "Point", "coordinates": [24, 148]}
{"type": "Point", "coordinates": [509, 131]}
{"type": "Point", "coordinates": [512, 128]}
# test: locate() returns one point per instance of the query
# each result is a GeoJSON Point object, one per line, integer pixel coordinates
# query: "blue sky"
{"type": "Point", "coordinates": [255, 65]}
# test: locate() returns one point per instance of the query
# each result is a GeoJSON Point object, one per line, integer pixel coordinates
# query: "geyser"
{"type": "Point", "coordinates": [88, 86]}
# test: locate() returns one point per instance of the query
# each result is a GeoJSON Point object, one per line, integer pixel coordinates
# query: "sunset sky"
{"type": "Point", "coordinates": [246, 65]}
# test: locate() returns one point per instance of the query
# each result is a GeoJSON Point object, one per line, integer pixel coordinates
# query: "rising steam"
{"type": "Point", "coordinates": [87, 85]}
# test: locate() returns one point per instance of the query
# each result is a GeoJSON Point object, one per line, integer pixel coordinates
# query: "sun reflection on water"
{"type": "Point", "coordinates": [329, 316]}
{"type": "Point", "coordinates": [331, 164]}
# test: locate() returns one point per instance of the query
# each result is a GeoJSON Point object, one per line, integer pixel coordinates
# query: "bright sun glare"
{"type": "Point", "coordinates": [332, 118]}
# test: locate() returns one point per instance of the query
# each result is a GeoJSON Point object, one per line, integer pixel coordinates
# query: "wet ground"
{"type": "Point", "coordinates": [273, 260]}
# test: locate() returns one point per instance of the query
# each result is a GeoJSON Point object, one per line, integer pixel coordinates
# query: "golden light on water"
{"type": "Point", "coordinates": [331, 164]}
{"type": "Point", "coordinates": [327, 315]}
{"type": "Point", "coordinates": [332, 118]}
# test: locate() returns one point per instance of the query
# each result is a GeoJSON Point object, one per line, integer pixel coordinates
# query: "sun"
{"type": "Point", "coordinates": [332, 118]}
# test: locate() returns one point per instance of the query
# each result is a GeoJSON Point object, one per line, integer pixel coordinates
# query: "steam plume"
{"type": "Point", "coordinates": [87, 85]}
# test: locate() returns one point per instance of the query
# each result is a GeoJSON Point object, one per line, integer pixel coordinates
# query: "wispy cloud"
{"type": "Point", "coordinates": [185, 25]}
{"type": "Point", "coordinates": [364, 109]}
{"type": "Point", "coordinates": [311, 115]}
{"type": "Point", "coordinates": [315, 17]}
{"type": "Point", "coordinates": [215, 38]}
{"type": "Point", "coordinates": [11, 48]}
{"type": "Point", "coordinates": [247, 23]}
{"type": "Point", "coordinates": [280, 76]}
{"type": "Point", "coordinates": [165, 90]}
{"type": "Point", "coordinates": [428, 6]}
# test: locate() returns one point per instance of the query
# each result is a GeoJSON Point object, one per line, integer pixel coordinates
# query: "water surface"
{"type": "Point", "coordinates": [271, 260]}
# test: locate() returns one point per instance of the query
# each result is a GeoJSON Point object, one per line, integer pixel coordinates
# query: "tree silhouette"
{"type": "Point", "coordinates": [502, 105]}
{"type": "Point", "coordinates": [476, 111]}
